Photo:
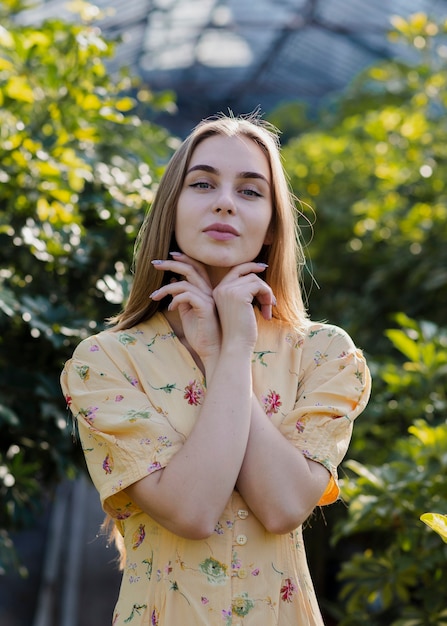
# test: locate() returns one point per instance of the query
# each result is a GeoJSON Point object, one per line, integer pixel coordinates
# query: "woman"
{"type": "Point", "coordinates": [213, 414]}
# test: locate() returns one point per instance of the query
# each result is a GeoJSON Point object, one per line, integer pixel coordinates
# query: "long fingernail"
{"type": "Point", "coordinates": [175, 253]}
{"type": "Point", "coordinates": [273, 301]}
{"type": "Point", "coordinates": [264, 265]}
{"type": "Point", "coordinates": [154, 293]}
{"type": "Point", "coordinates": [157, 262]}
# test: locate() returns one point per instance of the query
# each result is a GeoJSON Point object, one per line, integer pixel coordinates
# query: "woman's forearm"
{"type": "Point", "coordinates": [189, 494]}
{"type": "Point", "coordinates": [279, 484]}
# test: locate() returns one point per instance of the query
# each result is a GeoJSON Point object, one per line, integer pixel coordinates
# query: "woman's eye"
{"type": "Point", "coordinates": [201, 185]}
{"type": "Point", "coordinates": [252, 193]}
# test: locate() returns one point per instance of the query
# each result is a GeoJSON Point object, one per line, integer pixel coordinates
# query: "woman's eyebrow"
{"type": "Point", "coordinates": [213, 170]}
{"type": "Point", "coordinates": [254, 175]}
{"type": "Point", "coordinates": [203, 168]}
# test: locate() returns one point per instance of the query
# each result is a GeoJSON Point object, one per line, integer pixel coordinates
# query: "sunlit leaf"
{"type": "Point", "coordinates": [63, 195]}
{"type": "Point", "coordinates": [399, 23]}
{"type": "Point", "coordinates": [35, 38]}
{"type": "Point", "coordinates": [402, 342]}
{"type": "Point", "coordinates": [5, 64]}
{"type": "Point", "coordinates": [364, 472]}
{"type": "Point", "coordinates": [91, 101]}
{"type": "Point", "coordinates": [89, 133]}
{"type": "Point", "coordinates": [6, 39]}
{"type": "Point", "coordinates": [86, 10]}
{"type": "Point", "coordinates": [436, 522]}
{"type": "Point", "coordinates": [75, 180]}
{"type": "Point", "coordinates": [47, 168]}
{"type": "Point", "coordinates": [18, 88]}
{"type": "Point", "coordinates": [125, 104]}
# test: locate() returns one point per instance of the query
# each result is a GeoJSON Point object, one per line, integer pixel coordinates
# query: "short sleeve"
{"type": "Point", "coordinates": [333, 389]}
{"type": "Point", "coordinates": [124, 435]}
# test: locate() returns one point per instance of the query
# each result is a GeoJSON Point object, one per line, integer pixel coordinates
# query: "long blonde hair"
{"type": "Point", "coordinates": [284, 256]}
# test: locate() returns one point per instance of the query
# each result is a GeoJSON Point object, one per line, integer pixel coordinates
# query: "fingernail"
{"type": "Point", "coordinates": [154, 293]}
{"type": "Point", "coordinates": [175, 253]}
{"type": "Point", "coordinates": [263, 265]}
{"type": "Point", "coordinates": [157, 262]}
{"type": "Point", "coordinates": [274, 301]}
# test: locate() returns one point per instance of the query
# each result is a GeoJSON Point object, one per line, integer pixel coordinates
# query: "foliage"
{"type": "Point", "coordinates": [78, 165]}
{"type": "Point", "coordinates": [374, 170]}
{"type": "Point", "coordinates": [400, 575]}
{"type": "Point", "coordinates": [393, 410]}
{"type": "Point", "coordinates": [371, 178]}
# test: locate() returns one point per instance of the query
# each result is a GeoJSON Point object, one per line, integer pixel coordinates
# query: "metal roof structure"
{"type": "Point", "coordinates": [241, 54]}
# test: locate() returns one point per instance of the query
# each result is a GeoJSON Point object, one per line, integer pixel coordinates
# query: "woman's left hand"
{"type": "Point", "coordinates": [234, 297]}
{"type": "Point", "coordinates": [193, 298]}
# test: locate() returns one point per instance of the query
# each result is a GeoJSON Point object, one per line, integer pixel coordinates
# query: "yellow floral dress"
{"type": "Point", "coordinates": [136, 395]}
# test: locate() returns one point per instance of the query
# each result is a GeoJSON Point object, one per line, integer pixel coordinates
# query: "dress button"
{"type": "Point", "coordinates": [242, 514]}
{"type": "Point", "coordinates": [242, 573]}
{"type": "Point", "coordinates": [241, 540]}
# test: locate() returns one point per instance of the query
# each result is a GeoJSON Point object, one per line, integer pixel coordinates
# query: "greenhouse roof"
{"type": "Point", "coordinates": [241, 54]}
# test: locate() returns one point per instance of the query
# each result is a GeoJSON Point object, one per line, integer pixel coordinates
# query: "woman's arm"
{"type": "Point", "coordinates": [190, 493]}
{"type": "Point", "coordinates": [279, 481]}
{"type": "Point", "coordinates": [279, 484]}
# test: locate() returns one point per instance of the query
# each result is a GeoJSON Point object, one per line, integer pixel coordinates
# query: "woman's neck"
{"type": "Point", "coordinates": [175, 323]}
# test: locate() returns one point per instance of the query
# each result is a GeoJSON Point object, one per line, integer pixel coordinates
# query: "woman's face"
{"type": "Point", "coordinates": [225, 207]}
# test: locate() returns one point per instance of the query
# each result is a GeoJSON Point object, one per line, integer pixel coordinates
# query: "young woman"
{"type": "Point", "coordinates": [213, 414]}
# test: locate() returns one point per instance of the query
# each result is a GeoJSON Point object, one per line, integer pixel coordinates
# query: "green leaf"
{"type": "Point", "coordinates": [402, 342]}
{"type": "Point", "coordinates": [364, 472]}
{"type": "Point", "coordinates": [18, 88]}
{"type": "Point", "coordinates": [125, 104]}
{"type": "Point", "coordinates": [436, 522]}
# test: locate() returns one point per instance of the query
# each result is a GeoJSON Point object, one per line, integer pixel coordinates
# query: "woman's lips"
{"type": "Point", "coordinates": [221, 232]}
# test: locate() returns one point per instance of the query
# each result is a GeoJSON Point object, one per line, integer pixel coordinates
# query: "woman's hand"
{"type": "Point", "coordinates": [209, 315]}
{"type": "Point", "coordinates": [193, 299]}
{"type": "Point", "coordinates": [234, 296]}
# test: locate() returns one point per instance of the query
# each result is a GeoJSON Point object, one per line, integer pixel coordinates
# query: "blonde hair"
{"type": "Point", "coordinates": [156, 238]}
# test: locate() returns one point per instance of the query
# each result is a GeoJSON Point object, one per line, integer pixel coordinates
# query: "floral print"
{"type": "Point", "coordinates": [127, 339]}
{"type": "Point", "coordinates": [260, 357]}
{"type": "Point", "coordinates": [194, 393]}
{"type": "Point", "coordinates": [82, 371]}
{"type": "Point", "coordinates": [242, 604]}
{"type": "Point", "coordinates": [107, 464]}
{"type": "Point", "coordinates": [287, 590]}
{"type": "Point", "coordinates": [299, 426]}
{"type": "Point", "coordinates": [136, 611]}
{"type": "Point", "coordinates": [215, 572]}
{"type": "Point", "coordinates": [138, 537]}
{"type": "Point", "coordinates": [271, 402]}
{"type": "Point", "coordinates": [311, 385]}
{"type": "Point", "coordinates": [89, 413]}
{"type": "Point", "coordinates": [320, 358]}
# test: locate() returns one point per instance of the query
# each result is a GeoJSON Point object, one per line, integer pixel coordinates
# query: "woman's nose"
{"type": "Point", "coordinates": [225, 203]}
